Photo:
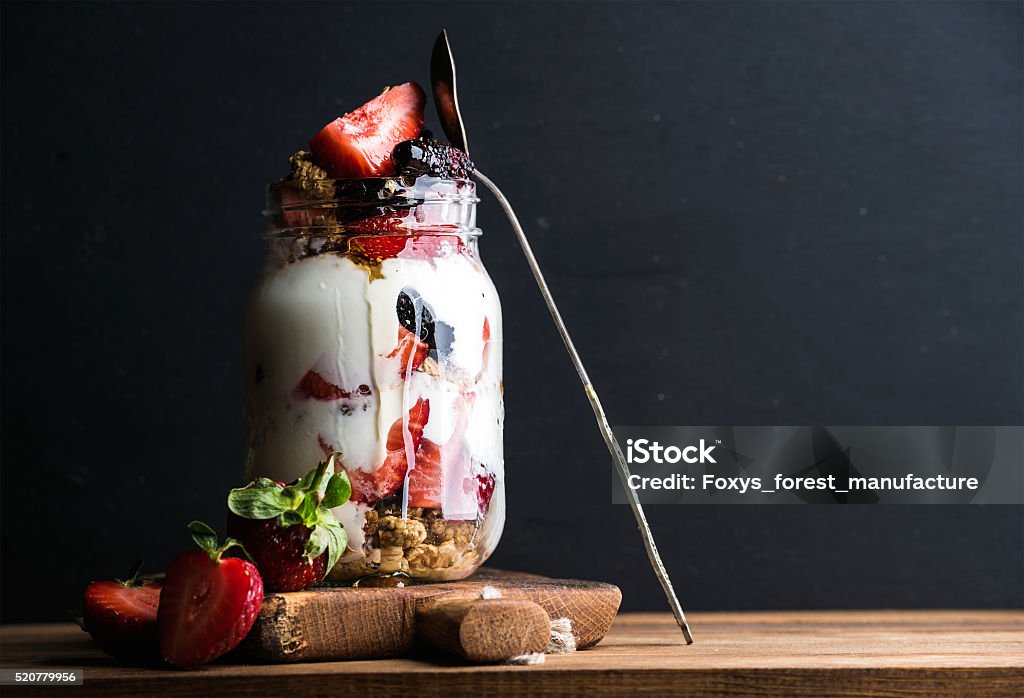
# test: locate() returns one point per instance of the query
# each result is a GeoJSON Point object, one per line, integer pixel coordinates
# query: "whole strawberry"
{"type": "Point", "coordinates": [208, 602]}
{"type": "Point", "coordinates": [121, 616]}
{"type": "Point", "coordinates": [290, 530]}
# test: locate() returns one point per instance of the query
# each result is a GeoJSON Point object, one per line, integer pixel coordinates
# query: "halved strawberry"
{"type": "Point", "coordinates": [208, 603]}
{"type": "Point", "coordinates": [121, 616]}
{"type": "Point", "coordinates": [411, 351]}
{"type": "Point", "coordinates": [359, 144]}
{"type": "Point", "coordinates": [426, 478]}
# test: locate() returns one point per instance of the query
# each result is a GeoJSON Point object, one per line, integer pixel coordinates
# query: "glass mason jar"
{"type": "Point", "coordinates": [375, 332]}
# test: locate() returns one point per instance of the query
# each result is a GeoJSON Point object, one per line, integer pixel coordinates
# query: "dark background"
{"type": "Point", "coordinates": [758, 213]}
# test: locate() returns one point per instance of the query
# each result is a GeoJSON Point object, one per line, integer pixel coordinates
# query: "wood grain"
{"type": "Point", "coordinates": [367, 623]}
{"type": "Point", "coordinates": [839, 653]}
{"type": "Point", "coordinates": [484, 630]}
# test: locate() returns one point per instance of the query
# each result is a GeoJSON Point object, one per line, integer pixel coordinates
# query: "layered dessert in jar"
{"type": "Point", "coordinates": [374, 333]}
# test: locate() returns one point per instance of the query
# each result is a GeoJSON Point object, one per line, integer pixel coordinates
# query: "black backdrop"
{"type": "Point", "coordinates": [758, 213]}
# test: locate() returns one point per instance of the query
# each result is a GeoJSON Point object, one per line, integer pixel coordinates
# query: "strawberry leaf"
{"type": "Point", "coordinates": [339, 489]}
{"type": "Point", "coordinates": [204, 536]}
{"type": "Point", "coordinates": [262, 499]}
{"type": "Point", "coordinates": [336, 544]}
{"type": "Point", "coordinates": [233, 543]}
{"type": "Point", "coordinates": [133, 574]}
{"type": "Point", "coordinates": [290, 518]}
{"type": "Point", "coordinates": [318, 542]}
{"type": "Point", "coordinates": [310, 503]}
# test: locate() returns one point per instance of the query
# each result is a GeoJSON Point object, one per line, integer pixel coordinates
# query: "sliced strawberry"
{"type": "Point", "coordinates": [418, 416]}
{"type": "Point", "coordinates": [368, 488]}
{"type": "Point", "coordinates": [426, 478]}
{"type": "Point", "coordinates": [121, 617]}
{"type": "Point", "coordinates": [384, 223]}
{"type": "Point", "coordinates": [411, 351]}
{"type": "Point", "coordinates": [208, 603]}
{"type": "Point", "coordinates": [487, 329]}
{"type": "Point", "coordinates": [324, 446]}
{"type": "Point", "coordinates": [316, 387]}
{"type": "Point", "coordinates": [359, 144]}
{"type": "Point", "coordinates": [376, 248]}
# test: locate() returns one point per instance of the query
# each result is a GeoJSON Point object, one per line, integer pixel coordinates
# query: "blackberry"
{"type": "Point", "coordinates": [424, 156]}
{"type": "Point", "coordinates": [415, 315]}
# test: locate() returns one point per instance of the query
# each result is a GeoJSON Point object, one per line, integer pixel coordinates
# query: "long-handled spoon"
{"type": "Point", "coordinates": [442, 78]}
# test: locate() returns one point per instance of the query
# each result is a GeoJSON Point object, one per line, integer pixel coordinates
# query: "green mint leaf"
{"type": "Point", "coordinates": [290, 518]}
{"type": "Point", "coordinates": [259, 501]}
{"type": "Point", "coordinates": [204, 536]}
{"type": "Point", "coordinates": [318, 542]}
{"type": "Point", "coordinates": [78, 619]}
{"type": "Point", "coordinates": [337, 542]}
{"type": "Point", "coordinates": [339, 489]}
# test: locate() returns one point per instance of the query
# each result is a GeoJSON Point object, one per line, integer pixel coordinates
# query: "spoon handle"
{"type": "Point", "coordinates": [595, 403]}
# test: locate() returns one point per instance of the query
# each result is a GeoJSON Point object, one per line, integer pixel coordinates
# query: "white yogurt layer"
{"type": "Point", "coordinates": [323, 313]}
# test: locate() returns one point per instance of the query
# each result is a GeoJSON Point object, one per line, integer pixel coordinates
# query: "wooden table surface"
{"type": "Point", "coordinates": [819, 653]}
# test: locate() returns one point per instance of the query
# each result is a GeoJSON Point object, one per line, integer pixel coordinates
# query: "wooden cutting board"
{"type": "Point", "coordinates": [364, 623]}
{"type": "Point", "coordinates": [923, 654]}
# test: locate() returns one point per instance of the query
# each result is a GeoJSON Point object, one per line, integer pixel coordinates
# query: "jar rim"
{"type": "Point", "coordinates": [333, 206]}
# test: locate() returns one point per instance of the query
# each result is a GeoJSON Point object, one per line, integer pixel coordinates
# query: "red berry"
{"type": "Point", "coordinates": [485, 490]}
{"type": "Point", "coordinates": [425, 156]}
{"type": "Point", "coordinates": [426, 478]}
{"type": "Point", "coordinates": [121, 617]}
{"type": "Point", "coordinates": [324, 446]}
{"type": "Point", "coordinates": [411, 351]}
{"type": "Point", "coordinates": [316, 387]}
{"type": "Point", "coordinates": [418, 416]}
{"type": "Point", "coordinates": [278, 552]}
{"type": "Point", "coordinates": [390, 223]}
{"type": "Point", "coordinates": [376, 248]}
{"type": "Point", "coordinates": [368, 488]}
{"type": "Point", "coordinates": [207, 607]}
{"type": "Point", "coordinates": [359, 144]}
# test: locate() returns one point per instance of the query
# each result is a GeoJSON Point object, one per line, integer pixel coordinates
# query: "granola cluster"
{"type": "Point", "coordinates": [309, 177]}
{"type": "Point", "coordinates": [424, 544]}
